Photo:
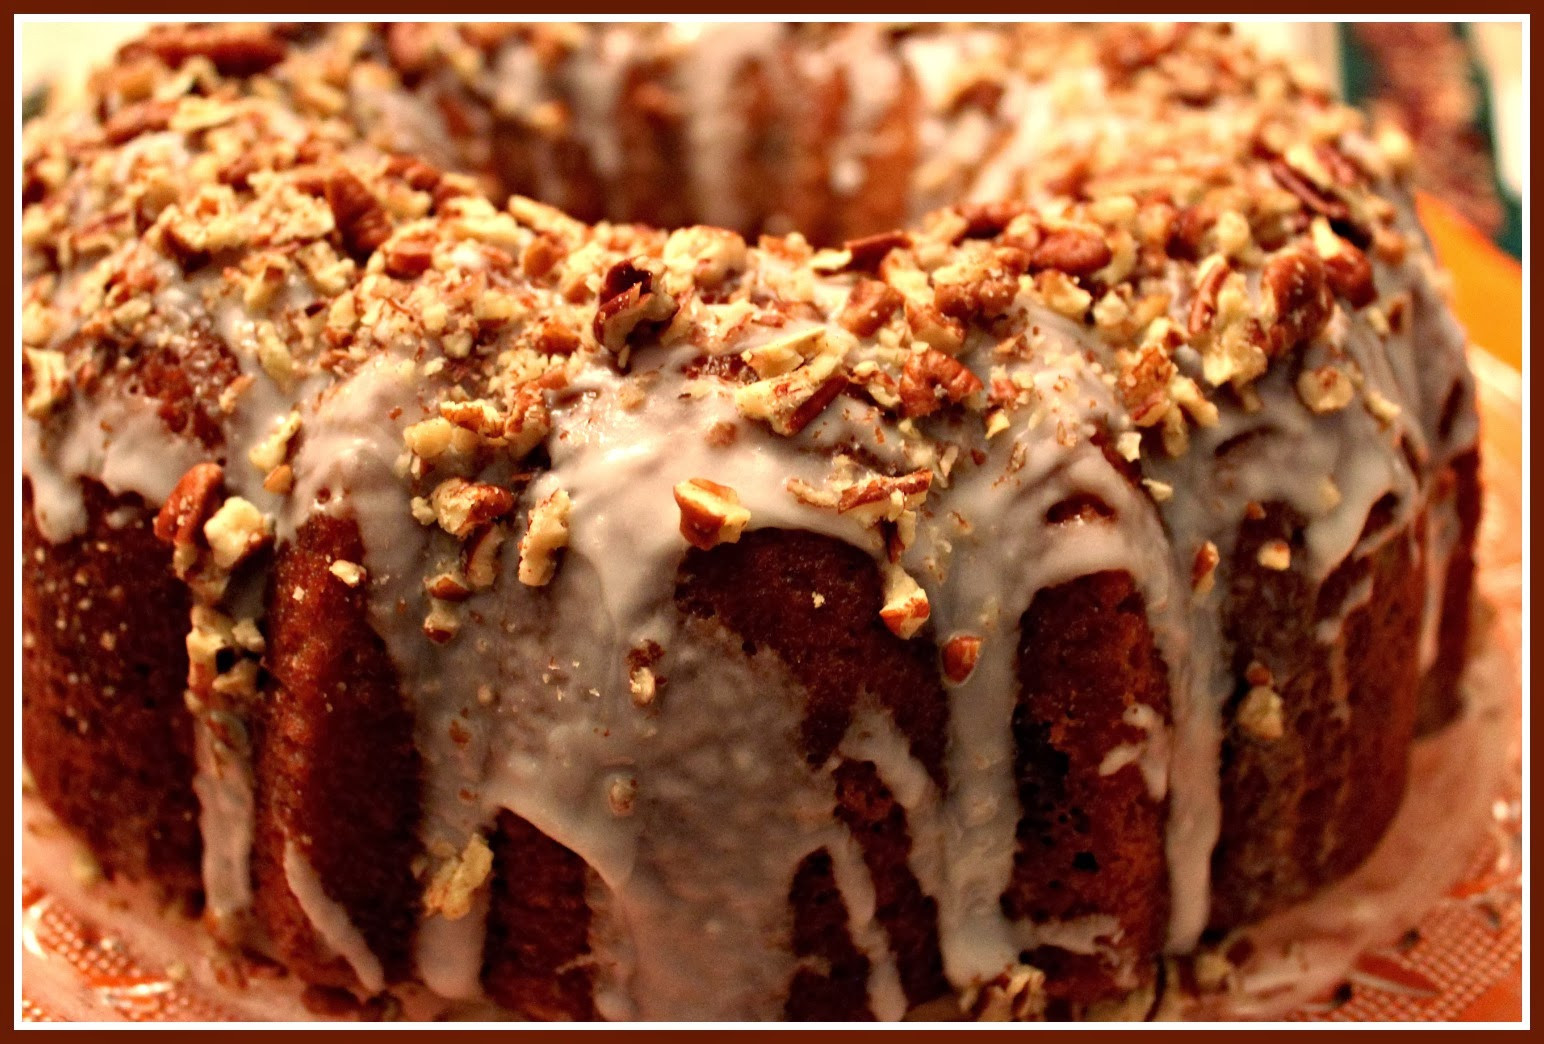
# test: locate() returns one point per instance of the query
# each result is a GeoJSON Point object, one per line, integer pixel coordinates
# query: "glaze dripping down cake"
{"type": "Point", "coordinates": [732, 522]}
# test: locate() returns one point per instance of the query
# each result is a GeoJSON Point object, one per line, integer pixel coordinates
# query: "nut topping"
{"type": "Point", "coordinates": [191, 503]}
{"type": "Point", "coordinates": [870, 306]}
{"type": "Point", "coordinates": [629, 303]}
{"type": "Point", "coordinates": [235, 531]}
{"type": "Point", "coordinates": [49, 375]}
{"type": "Point", "coordinates": [1297, 296]}
{"type": "Point", "coordinates": [959, 656]}
{"type": "Point", "coordinates": [545, 537]}
{"type": "Point", "coordinates": [1260, 714]}
{"type": "Point", "coordinates": [461, 507]}
{"type": "Point", "coordinates": [906, 606]}
{"type": "Point", "coordinates": [361, 220]}
{"type": "Point", "coordinates": [711, 514]}
{"type": "Point", "coordinates": [931, 379]}
{"type": "Point", "coordinates": [1075, 251]}
{"type": "Point", "coordinates": [1325, 389]}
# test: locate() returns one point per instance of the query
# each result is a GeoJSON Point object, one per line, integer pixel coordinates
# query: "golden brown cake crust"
{"type": "Point", "coordinates": [337, 771]}
{"type": "Point", "coordinates": [107, 740]}
{"type": "Point", "coordinates": [1091, 839]}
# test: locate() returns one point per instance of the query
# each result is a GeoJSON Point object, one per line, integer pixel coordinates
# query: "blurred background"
{"type": "Point", "coordinates": [1456, 88]}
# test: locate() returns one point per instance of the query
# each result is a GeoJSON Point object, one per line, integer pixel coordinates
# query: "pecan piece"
{"type": "Point", "coordinates": [1310, 195]}
{"type": "Point", "coordinates": [1347, 268]}
{"type": "Point", "coordinates": [865, 254]}
{"type": "Point", "coordinates": [191, 503]}
{"type": "Point", "coordinates": [931, 378]}
{"type": "Point", "coordinates": [234, 50]}
{"type": "Point", "coordinates": [629, 304]}
{"type": "Point", "coordinates": [235, 531]}
{"type": "Point", "coordinates": [462, 507]}
{"type": "Point", "coordinates": [960, 655]}
{"type": "Point", "coordinates": [1076, 251]}
{"type": "Point", "coordinates": [906, 607]}
{"type": "Point", "coordinates": [410, 257]}
{"type": "Point", "coordinates": [870, 306]}
{"type": "Point", "coordinates": [987, 220]}
{"type": "Point", "coordinates": [1144, 386]}
{"type": "Point", "coordinates": [361, 220]}
{"type": "Point", "coordinates": [1188, 231]}
{"type": "Point", "coordinates": [987, 295]}
{"type": "Point", "coordinates": [544, 538]}
{"type": "Point", "coordinates": [143, 118]}
{"type": "Point", "coordinates": [1297, 292]}
{"type": "Point", "coordinates": [813, 406]}
{"type": "Point", "coordinates": [1203, 307]}
{"type": "Point", "coordinates": [420, 176]}
{"type": "Point", "coordinates": [711, 514]}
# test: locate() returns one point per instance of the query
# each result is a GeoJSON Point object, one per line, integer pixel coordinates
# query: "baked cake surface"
{"type": "Point", "coordinates": [1032, 565]}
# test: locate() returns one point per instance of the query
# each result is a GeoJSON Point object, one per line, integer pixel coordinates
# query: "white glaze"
{"type": "Point", "coordinates": [330, 920]}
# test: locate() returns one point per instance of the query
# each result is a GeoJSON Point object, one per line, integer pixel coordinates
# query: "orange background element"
{"type": "Point", "coordinates": [1487, 282]}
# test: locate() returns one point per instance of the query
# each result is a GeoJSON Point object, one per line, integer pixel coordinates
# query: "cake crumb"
{"type": "Point", "coordinates": [456, 880]}
{"type": "Point", "coordinates": [1260, 714]}
{"type": "Point", "coordinates": [1275, 554]}
{"type": "Point", "coordinates": [351, 573]}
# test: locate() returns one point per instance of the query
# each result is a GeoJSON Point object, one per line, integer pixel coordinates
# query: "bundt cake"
{"type": "Point", "coordinates": [884, 520]}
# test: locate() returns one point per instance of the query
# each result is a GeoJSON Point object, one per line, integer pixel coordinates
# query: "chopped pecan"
{"type": "Point", "coordinates": [984, 295]}
{"type": "Point", "coordinates": [1188, 231]}
{"type": "Point", "coordinates": [1144, 385]}
{"type": "Point", "coordinates": [629, 303]}
{"type": "Point", "coordinates": [45, 381]}
{"type": "Point", "coordinates": [419, 176]}
{"type": "Point", "coordinates": [1203, 569]}
{"type": "Point", "coordinates": [711, 514]}
{"type": "Point", "coordinates": [449, 587]}
{"type": "Point", "coordinates": [1325, 389]}
{"type": "Point", "coordinates": [409, 257]}
{"type": "Point", "coordinates": [932, 327]}
{"type": "Point", "coordinates": [480, 556]}
{"type": "Point", "coordinates": [987, 220]}
{"type": "Point", "coordinates": [911, 489]}
{"type": "Point", "coordinates": [865, 254]}
{"type": "Point", "coordinates": [545, 537]}
{"type": "Point", "coordinates": [906, 607]}
{"type": "Point", "coordinates": [555, 337]}
{"type": "Point", "coordinates": [462, 507]}
{"type": "Point", "coordinates": [235, 531]}
{"type": "Point", "coordinates": [233, 49]}
{"type": "Point", "coordinates": [191, 503]}
{"type": "Point", "coordinates": [145, 117]}
{"type": "Point", "coordinates": [1347, 268]}
{"type": "Point", "coordinates": [978, 92]}
{"type": "Point", "coordinates": [544, 254]}
{"type": "Point", "coordinates": [1297, 295]}
{"type": "Point", "coordinates": [1275, 555]}
{"type": "Point", "coordinates": [1317, 200]}
{"type": "Point", "coordinates": [351, 573]}
{"type": "Point", "coordinates": [1203, 307]}
{"type": "Point", "coordinates": [960, 655]}
{"type": "Point", "coordinates": [361, 220]}
{"type": "Point", "coordinates": [1075, 251]}
{"type": "Point", "coordinates": [930, 378]}
{"type": "Point", "coordinates": [1260, 714]}
{"type": "Point", "coordinates": [709, 255]}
